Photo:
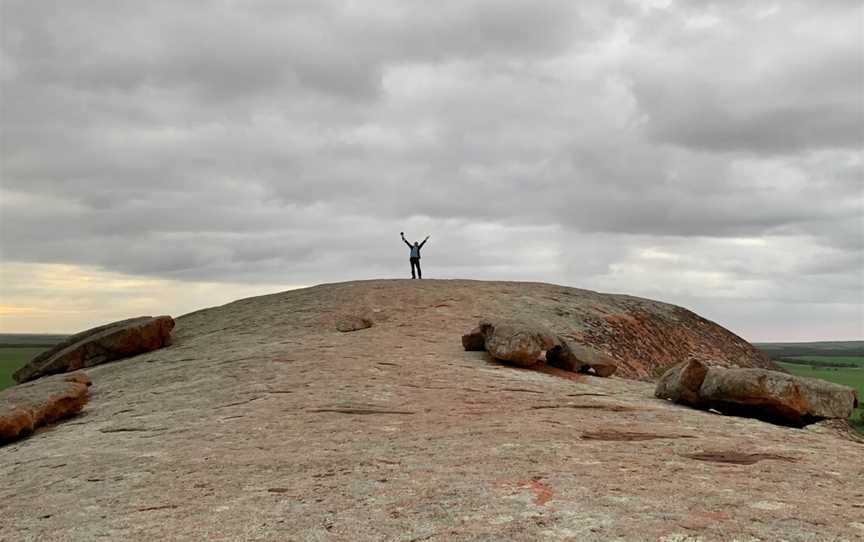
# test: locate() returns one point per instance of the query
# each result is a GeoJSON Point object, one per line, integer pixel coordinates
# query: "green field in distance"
{"type": "Point", "coordinates": [13, 357]}
{"type": "Point", "coordinates": [16, 349]}
{"type": "Point", "coordinates": [851, 360]}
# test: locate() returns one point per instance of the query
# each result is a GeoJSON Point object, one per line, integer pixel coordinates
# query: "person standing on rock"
{"type": "Point", "coordinates": [415, 255]}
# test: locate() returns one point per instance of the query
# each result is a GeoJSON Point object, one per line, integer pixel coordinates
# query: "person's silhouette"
{"type": "Point", "coordinates": [415, 255]}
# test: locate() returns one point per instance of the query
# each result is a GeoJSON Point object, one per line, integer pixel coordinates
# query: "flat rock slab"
{"type": "Point", "coordinates": [25, 407]}
{"type": "Point", "coordinates": [101, 344]}
{"type": "Point", "coordinates": [263, 423]}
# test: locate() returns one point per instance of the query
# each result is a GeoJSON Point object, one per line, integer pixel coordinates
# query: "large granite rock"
{"type": "Point", "coordinates": [756, 393]}
{"type": "Point", "coordinates": [25, 407]}
{"type": "Point", "coordinates": [265, 423]}
{"type": "Point", "coordinates": [775, 396]}
{"type": "Point", "coordinates": [580, 358]}
{"type": "Point", "coordinates": [681, 383]}
{"type": "Point", "coordinates": [99, 345]}
{"type": "Point", "coordinates": [518, 342]}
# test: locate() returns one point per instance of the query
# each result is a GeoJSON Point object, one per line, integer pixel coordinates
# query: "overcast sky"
{"type": "Point", "coordinates": [163, 156]}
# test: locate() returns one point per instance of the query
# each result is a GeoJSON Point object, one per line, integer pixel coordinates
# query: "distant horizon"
{"type": "Point", "coordinates": [265, 292]}
{"type": "Point", "coordinates": [28, 334]}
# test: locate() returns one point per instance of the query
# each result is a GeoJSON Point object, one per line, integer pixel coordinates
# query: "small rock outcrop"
{"type": "Point", "coordinates": [570, 356]}
{"type": "Point", "coordinates": [524, 343]}
{"type": "Point", "coordinates": [25, 407]}
{"type": "Point", "coordinates": [515, 341]}
{"type": "Point", "coordinates": [757, 393]}
{"type": "Point", "coordinates": [101, 344]}
{"type": "Point", "coordinates": [352, 322]}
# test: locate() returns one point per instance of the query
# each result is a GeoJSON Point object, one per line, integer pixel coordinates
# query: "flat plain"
{"type": "Point", "coordinates": [16, 349]}
{"type": "Point", "coordinates": [11, 358]}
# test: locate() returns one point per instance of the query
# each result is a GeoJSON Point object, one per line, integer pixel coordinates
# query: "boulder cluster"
{"type": "Point", "coordinates": [756, 393]}
{"type": "Point", "coordinates": [526, 344]}
{"type": "Point", "coordinates": [40, 398]}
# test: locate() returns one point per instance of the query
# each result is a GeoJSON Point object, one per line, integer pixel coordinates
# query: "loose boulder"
{"type": "Point", "coordinates": [576, 357]}
{"type": "Point", "coordinates": [756, 393]}
{"type": "Point", "coordinates": [99, 345]}
{"type": "Point", "coordinates": [516, 341]}
{"type": "Point", "coordinates": [775, 397]}
{"type": "Point", "coordinates": [352, 322]}
{"type": "Point", "coordinates": [474, 341]}
{"type": "Point", "coordinates": [25, 407]}
{"type": "Point", "coordinates": [681, 383]}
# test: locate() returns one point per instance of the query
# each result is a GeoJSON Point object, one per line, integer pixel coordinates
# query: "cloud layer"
{"type": "Point", "coordinates": [697, 152]}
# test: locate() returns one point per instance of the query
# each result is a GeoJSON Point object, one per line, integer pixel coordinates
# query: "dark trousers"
{"type": "Point", "coordinates": [415, 262]}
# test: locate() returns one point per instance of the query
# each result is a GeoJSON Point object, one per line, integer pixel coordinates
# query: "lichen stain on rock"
{"type": "Point", "coordinates": [542, 492]}
{"type": "Point", "coordinates": [644, 340]}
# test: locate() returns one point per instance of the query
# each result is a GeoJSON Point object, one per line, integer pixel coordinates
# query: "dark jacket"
{"type": "Point", "coordinates": [415, 249]}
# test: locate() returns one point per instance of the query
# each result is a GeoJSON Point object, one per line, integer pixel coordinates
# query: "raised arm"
{"type": "Point", "coordinates": [424, 241]}
{"type": "Point", "coordinates": [405, 241]}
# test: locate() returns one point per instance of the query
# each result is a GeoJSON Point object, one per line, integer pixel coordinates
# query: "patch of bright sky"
{"type": "Point", "coordinates": [56, 298]}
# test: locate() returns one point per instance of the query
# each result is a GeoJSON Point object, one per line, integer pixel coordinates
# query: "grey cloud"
{"type": "Point", "coordinates": [219, 52]}
{"type": "Point", "coordinates": [773, 84]}
{"type": "Point", "coordinates": [290, 142]}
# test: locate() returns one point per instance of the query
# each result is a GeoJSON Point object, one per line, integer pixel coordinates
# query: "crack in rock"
{"type": "Point", "coordinates": [131, 429]}
{"type": "Point", "coordinates": [737, 458]}
{"type": "Point", "coordinates": [610, 408]}
{"type": "Point", "coordinates": [628, 436]}
{"type": "Point", "coordinates": [360, 411]}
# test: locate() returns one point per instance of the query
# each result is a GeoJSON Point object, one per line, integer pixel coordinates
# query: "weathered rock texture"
{"type": "Point", "coordinates": [99, 345]}
{"type": "Point", "coordinates": [639, 334]}
{"type": "Point", "coordinates": [262, 422]}
{"type": "Point", "coordinates": [518, 342]}
{"type": "Point", "coordinates": [681, 383]}
{"type": "Point", "coordinates": [352, 322]}
{"type": "Point", "coordinates": [776, 396]}
{"type": "Point", "coordinates": [756, 393]}
{"type": "Point", "coordinates": [25, 407]}
{"type": "Point", "coordinates": [528, 344]}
